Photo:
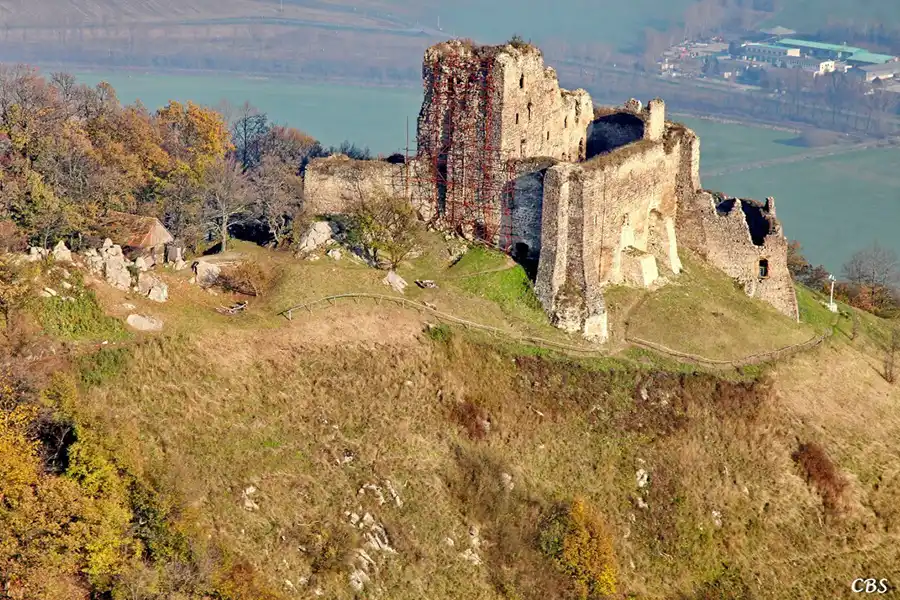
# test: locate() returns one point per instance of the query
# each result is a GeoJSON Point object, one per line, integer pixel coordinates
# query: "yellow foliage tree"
{"type": "Point", "coordinates": [193, 135]}
{"type": "Point", "coordinates": [576, 538]}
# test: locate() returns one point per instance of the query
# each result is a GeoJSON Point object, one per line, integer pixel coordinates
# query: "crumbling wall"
{"type": "Point", "coordinates": [525, 202]}
{"type": "Point", "coordinates": [609, 220]}
{"type": "Point", "coordinates": [739, 236]}
{"type": "Point", "coordinates": [538, 117]}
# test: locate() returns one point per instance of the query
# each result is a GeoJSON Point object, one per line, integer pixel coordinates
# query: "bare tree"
{"type": "Point", "coordinates": [875, 266]}
{"type": "Point", "coordinates": [890, 356]}
{"type": "Point", "coordinates": [279, 196]}
{"type": "Point", "coordinates": [247, 133]}
{"type": "Point", "coordinates": [384, 226]}
{"type": "Point", "coordinates": [227, 198]}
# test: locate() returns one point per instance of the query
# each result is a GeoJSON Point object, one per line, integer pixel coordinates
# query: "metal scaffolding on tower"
{"type": "Point", "coordinates": [469, 180]}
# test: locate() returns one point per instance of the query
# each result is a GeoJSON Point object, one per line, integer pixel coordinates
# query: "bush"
{"type": "Point", "coordinates": [250, 278]}
{"type": "Point", "coordinates": [385, 227]}
{"type": "Point", "coordinates": [821, 472]}
{"type": "Point", "coordinates": [576, 538]}
{"type": "Point", "coordinates": [439, 333]}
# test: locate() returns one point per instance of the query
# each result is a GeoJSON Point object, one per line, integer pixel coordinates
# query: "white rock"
{"type": "Point", "coordinates": [506, 481]}
{"type": "Point", "coordinates": [471, 556]}
{"type": "Point", "coordinates": [128, 306]}
{"type": "Point", "coordinates": [144, 323]}
{"type": "Point", "coordinates": [51, 291]}
{"type": "Point", "coordinates": [180, 265]}
{"type": "Point", "coordinates": [318, 234]}
{"type": "Point", "coordinates": [397, 500]}
{"type": "Point", "coordinates": [642, 503]}
{"type": "Point", "coordinates": [449, 541]}
{"type": "Point", "coordinates": [643, 478]}
{"type": "Point", "coordinates": [334, 253]}
{"type": "Point", "coordinates": [159, 292]}
{"type": "Point", "coordinates": [61, 253]}
{"type": "Point", "coordinates": [247, 497]}
{"type": "Point", "coordinates": [395, 281]}
{"type": "Point", "coordinates": [717, 518]}
{"type": "Point", "coordinates": [207, 273]}
{"type": "Point", "coordinates": [359, 579]}
{"type": "Point", "coordinates": [66, 285]}
{"type": "Point", "coordinates": [140, 264]}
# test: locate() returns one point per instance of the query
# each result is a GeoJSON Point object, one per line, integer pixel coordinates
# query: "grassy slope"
{"type": "Point", "coordinates": [217, 405]}
{"type": "Point", "coordinates": [720, 322]}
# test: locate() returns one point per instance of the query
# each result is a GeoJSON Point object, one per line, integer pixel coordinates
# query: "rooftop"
{"type": "Point", "coordinates": [872, 58]}
{"type": "Point", "coordinates": [767, 46]}
{"type": "Point", "coordinates": [133, 231]}
{"type": "Point", "coordinates": [820, 45]}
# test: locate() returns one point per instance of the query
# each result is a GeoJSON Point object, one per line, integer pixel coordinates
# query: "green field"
{"type": "Point", "coordinates": [724, 145]}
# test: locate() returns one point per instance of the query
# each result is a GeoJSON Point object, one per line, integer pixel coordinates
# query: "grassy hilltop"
{"type": "Point", "coordinates": [268, 453]}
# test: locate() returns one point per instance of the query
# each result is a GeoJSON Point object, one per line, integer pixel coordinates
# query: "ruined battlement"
{"type": "Point", "coordinates": [595, 197]}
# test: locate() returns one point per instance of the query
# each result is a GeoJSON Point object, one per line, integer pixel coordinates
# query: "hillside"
{"type": "Point", "coordinates": [359, 447]}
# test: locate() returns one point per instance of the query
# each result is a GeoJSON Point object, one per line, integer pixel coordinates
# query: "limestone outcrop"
{"type": "Point", "coordinates": [110, 263]}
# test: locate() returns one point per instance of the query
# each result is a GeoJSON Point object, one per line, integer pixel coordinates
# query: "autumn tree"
{"type": "Point", "coordinates": [193, 135]}
{"type": "Point", "coordinates": [14, 289]}
{"type": "Point", "coordinates": [228, 197]}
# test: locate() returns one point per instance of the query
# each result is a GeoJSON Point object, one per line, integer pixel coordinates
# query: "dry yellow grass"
{"type": "Point", "coordinates": [310, 411]}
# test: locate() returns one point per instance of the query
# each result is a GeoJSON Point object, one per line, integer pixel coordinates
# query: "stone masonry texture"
{"type": "Point", "coordinates": [596, 196]}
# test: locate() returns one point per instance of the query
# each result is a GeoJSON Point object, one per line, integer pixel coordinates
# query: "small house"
{"type": "Point", "coordinates": [138, 235]}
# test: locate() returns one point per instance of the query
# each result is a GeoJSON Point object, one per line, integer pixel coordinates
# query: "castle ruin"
{"type": "Point", "coordinates": [596, 197]}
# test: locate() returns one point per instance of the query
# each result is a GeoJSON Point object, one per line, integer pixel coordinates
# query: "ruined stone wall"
{"type": "Point", "coordinates": [538, 118]}
{"type": "Point", "coordinates": [609, 220]}
{"type": "Point", "coordinates": [525, 204]}
{"type": "Point", "coordinates": [735, 236]}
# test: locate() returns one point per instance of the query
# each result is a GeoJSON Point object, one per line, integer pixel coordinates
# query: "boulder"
{"type": "Point", "coordinates": [144, 323]}
{"type": "Point", "coordinates": [318, 234]}
{"type": "Point", "coordinates": [180, 265]}
{"type": "Point", "coordinates": [93, 261]}
{"type": "Point", "coordinates": [334, 253]}
{"type": "Point", "coordinates": [152, 288]}
{"type": "Point", "coordinates": [36, 254]}
{"type": "Point", "coordinates": [140, 264]}
{"type": "Point", "coordinates": [206, 273]}
{"type": "Point", "coordinates": [395, 281]}
{"type": "Point", "coordinates": [174, 254]}
{"type": "Point", "coordinates": [116, 272]}
{"type": "Point", "coordinates": [159, 292]}
{"type": "Point", "coordinates": [61, 253]}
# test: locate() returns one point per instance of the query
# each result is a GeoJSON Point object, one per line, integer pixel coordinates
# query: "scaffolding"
{"type": "Point", "coordinates": [462, 171]}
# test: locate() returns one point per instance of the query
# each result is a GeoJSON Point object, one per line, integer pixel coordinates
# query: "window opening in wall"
{"type": "Point", "coordinates": [763, 268]}
{"type": "Point", "coordinates": [522, 148]}
{"type": "Point", "coordinates": [548, 136]}
{"type": "Point", "coordinates": [581, 149]}
{"type": "Point", "coordinates": [566, 122]}
{"type": "Point", "coordinates": [522, 81]}
{"type": "Point", "coordinates": [517, 118]}
{"type": "Point", "coordinates": [529, 112]}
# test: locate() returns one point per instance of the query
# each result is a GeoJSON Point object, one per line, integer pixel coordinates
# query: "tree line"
{"type": "Point", "coordinates": [869, 280]}
{"type": "Point", "coordinates": [70, 152]}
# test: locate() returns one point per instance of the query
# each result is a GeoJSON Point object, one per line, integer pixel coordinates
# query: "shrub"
{"type": "Point", "coordinates": [385, 227]}
{"type": "Point", "coordinates": [439, 333]}
{"type": "Point", "coordinates": [473, 418]}
{"type": "Point", "coordinates": [821, 472]}
{"type": "Point", "coordinates": [576, 538]}
{"type": "Point", "coordinates": [250, 278]}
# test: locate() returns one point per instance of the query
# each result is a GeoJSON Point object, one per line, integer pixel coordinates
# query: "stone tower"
{"type": "Point", "coordinates": [485, 108]}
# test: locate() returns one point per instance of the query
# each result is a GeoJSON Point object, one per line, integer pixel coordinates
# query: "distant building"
{"type": "Point", "coordinates": [816, 66]}
{"type": "Point", "coordinates": [851, 54]}
{"type": "Point", "coordinates": [873, 72]}
{"type": "Point", "coordinates": [769, 53]}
